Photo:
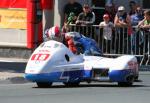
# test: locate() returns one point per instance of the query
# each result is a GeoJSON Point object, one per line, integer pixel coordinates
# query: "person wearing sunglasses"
{"type": "Point", "coordinates": [145, 23]}
{"type": "Point", "coordinates": [137, 16]}
{"type": "Point", "coordinates": [123, 23]}
{"type": "Point", "coordinates": [122, 19]}
{"type": "Point", "coordinates": [87, 17]}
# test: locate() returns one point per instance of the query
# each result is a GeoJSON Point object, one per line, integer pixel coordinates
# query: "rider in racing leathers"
{"type": "Point", "coordinates": [54, 33]}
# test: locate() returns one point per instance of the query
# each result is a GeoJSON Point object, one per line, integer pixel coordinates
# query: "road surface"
{"type": "Point", "coordinates": [17, 90]}
{"type": "Point", "coordinates": [85, 93]}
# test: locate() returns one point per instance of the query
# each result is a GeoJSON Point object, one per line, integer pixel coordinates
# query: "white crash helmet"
{"type": "Point", "coordinates": [53, 33]}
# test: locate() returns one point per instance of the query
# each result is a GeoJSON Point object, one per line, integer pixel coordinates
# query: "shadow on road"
{"type": "Point", "coordinates": [91, 85]}
{"type": "Point", "coordinates": [13, 67]}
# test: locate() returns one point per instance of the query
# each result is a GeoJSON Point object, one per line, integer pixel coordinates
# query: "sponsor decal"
{"type": "Point", "coordinates": [56, 45]}
{"type": "Point", "coordinates": [40, 57]}
{"type": "Point", "coordinates": [50, 46]}
{"type": "Point", "coordinates": [44, 51]}
{"type": "Point", "coordinates": [64, 76]}
{"type": "Point", "coordinates": [132, 65]}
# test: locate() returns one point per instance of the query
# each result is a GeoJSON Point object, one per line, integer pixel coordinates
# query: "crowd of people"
{"type": "Point", "coordinates": [77, 14]}
{"type": "Point", "coordinates": [85, 15]}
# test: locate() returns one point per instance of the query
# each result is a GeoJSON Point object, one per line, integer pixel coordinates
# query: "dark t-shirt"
{"type": "Point", "coordinates": [76, 8]}
{"type": "Point", "coordinates": [122, 17]}
{"type": "Point", "coordinates": [84, 17]}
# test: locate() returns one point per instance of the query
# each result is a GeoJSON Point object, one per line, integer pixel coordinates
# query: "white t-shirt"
{"type": "Point", "coordinates": [107, 30]}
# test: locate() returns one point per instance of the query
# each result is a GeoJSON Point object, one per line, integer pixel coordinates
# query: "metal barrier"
{"type": "Point", "coordinates": [121, 43]}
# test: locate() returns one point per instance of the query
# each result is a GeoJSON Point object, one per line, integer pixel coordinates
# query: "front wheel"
{"type": "Point", "coordinates": [44, 84]}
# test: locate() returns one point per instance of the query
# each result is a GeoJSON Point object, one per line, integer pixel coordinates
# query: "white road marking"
{"type": "Point", "coordinates": [13, 60]}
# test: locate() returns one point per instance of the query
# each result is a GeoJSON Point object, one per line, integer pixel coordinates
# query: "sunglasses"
{"type": "Point", "coordinates": [138, 10]}
{"type": "Point", "coordinates": [86, 7]}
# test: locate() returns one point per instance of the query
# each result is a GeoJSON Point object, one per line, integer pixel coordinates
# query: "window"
{"type": "Point", "coordinates": [98, 3]}
{"type": "Point", "coordinates": [146, 4]}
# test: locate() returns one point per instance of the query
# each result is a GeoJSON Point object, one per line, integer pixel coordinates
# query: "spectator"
{"type": "Point", "coordinates": [107, 31]}
{"type": "Point", "coordinates": [145, 23]}
{"type": "Point", "coordinates": [72, 7]}
{"type": "Point", "coordinates": [65, 28]}
{"type": "Point", "coordinates": [123, 22]}
{"type": "Point", "coordinates": [111, 10]}
{"type": "Point", "coordinates": [122, 19]}
{"type": "Point", "coordinates": [87, 17]}
{"type": "Point", "coordinates": [133, 7]}
{"type": "Point", "coordinates": [98, 7]}
{"type": "Point", "coordinates": [137, 17]}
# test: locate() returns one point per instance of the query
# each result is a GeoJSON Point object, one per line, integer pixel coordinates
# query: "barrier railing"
{"type": "Point", "coordinates": [122, 42]}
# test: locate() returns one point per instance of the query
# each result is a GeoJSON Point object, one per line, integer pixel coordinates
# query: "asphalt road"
{"type": "Point", "coordinates": [85, 93]}
{"type": "Point", "coordinates": [19, 91]}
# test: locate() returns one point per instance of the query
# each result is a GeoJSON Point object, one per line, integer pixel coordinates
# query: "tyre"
{"type": "Point", "coordinates": [136, 78]}
{"type": "Point", "coordinates": [125, 84]}
{"type": "Point", "coordinates": [130, 80]}
{"type": "Point", "coordinates": [44, 84]}
{"type": "Point", "coordinates": [69, 84]}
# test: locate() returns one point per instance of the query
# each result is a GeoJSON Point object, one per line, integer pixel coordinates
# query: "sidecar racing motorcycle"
{"type": "Point", "coordinates": [52, 62]}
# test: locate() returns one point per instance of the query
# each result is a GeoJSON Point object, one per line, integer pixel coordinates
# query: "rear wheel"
{"type": "Point", "coordinates": [136, 78]}
{"type": "Point", "coordinates": [44, 84]}
{"type": "Point", "coordinates": [125, 84]}
{"type": "Point", "coordinates": [130, 80]}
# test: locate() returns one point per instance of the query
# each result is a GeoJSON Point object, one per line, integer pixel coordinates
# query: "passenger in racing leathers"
{"type": "Point", "coordinates": [89, 46]}
{"type": "Point", "coordinates": [82, 44]}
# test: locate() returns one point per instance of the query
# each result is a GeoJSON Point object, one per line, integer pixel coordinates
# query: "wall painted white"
{"type": "Point", "coordinates": [13, 38]}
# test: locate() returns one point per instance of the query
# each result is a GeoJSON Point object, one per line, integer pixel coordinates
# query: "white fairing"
{"type": "Point", "coordinates": [119, 63]}
{"type": "Point", "coordinates": [50, 57]}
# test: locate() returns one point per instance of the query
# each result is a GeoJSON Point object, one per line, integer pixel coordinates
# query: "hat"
{"type": "Point", "coordinates": [121, 8]}
{"type": "Point", "coordinates": [105, 16]}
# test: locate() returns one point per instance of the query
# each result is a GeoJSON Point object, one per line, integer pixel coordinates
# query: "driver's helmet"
{"type": "Point", "coordinates": [53, 33]}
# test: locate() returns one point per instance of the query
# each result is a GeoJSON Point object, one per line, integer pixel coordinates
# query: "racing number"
{"type": "Point", "coordinates": [40, 57]}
